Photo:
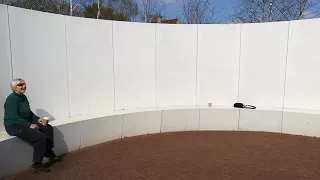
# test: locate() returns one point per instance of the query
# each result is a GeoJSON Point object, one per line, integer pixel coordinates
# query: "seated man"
{"type": "Point", "coordinates": [20, 121]}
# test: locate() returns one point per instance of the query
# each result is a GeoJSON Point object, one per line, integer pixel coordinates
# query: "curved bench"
{"type": "Point", "coordinates": [78, 132]}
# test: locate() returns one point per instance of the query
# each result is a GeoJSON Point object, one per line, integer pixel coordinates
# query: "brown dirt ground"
{"type": "Point", "coordinates": [190, 156]}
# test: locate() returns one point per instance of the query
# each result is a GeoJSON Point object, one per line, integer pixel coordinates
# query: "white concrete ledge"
{"type": "Point", "coordinates": [98, 130]}
{"type": "Point", "coordinates": [260, 120]}
{"type": "Point", "coordinates": [301, 124]}
{"type": "Point", "coordinates": [67, 137]}
{"type": "Point", "coordinates": [180, 120]}
{"type": "Point", "coordinates": [219, 119]}
{"type": "Point", "coordinates": [141, 123]}
{"type": "Point", "coordinates": [83, 131]}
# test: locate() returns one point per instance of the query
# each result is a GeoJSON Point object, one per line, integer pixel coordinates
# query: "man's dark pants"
{"type": "Point", "coordinates": [41, 139]}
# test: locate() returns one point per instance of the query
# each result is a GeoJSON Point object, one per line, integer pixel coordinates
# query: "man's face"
{"type": "Point", "coordinates": [21, 87]}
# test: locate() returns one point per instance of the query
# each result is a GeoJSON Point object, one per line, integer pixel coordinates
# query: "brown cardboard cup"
{"type": "Point", "coordinates": [45, 121]}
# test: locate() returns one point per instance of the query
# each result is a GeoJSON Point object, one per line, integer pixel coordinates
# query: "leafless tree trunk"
{"type": "Point", "coordinates": [264, 9]}
{"type": "Point", "coordinates": [99, 3]}
{"type": "Point", "coordinates": [99, 9]}
{"type": "Point", "coordinates": [152, 8]}
{"type": "Point", "coordinates": [198, 11]}
{"type": "Point", "coordinates": [71, 7]}
{"type": "Point", "coordinates": [302, 6]}
{"type": "Point", "coordinates": [271, 10]}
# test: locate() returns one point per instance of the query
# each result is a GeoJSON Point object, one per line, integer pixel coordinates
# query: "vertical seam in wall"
{"type": "Point", "coordinates": [155, 63]}
{"type": "Point", "coordinates": [161, 121]}
{"type": "Point", "coordinates": [122, 125]}
{"type": "Point", "coordinates": [199, 119]}
{"type": "Point", "coordinates": [240, 51]}
{"type": "Point", "coordinates": [238, 119]}
{"type": "Point", "coordinates": [196, 98]}
{"type": "Point", "coordinates": [285, 76]}
{"type": "Point", "coordinates": [81, 132]}
{"type": "Point", "coordinates": [66, 42]}
{"type": "Point", "coordinates": [114, 77]}
{"type": "Point", "coordinates": [186, 125]}
{"type": "Point", "coordinates": [11, 61]}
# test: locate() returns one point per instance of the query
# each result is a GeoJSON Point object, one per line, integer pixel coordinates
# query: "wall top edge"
{"type": "Point", "coordinates": [303, 111]}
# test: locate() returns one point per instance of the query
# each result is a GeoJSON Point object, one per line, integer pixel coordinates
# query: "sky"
{"type": "Point", "coordinates": [223, 6]}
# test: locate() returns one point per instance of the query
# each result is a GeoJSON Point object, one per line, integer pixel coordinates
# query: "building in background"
{"type": "Point", "coordinates": [168, 21]}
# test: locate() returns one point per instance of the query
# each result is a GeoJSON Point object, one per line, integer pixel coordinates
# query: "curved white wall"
{"type": "Point", "coordinates": [5, 60]}
{"type": "Point", "coordinates": [262, 63]}
{"type": "Point", "coordinates": [176, 57]}
{"type": "Point", "coordinates": [38, 50]}
{"type": "Point", "coordinates": [218, 64]}
{"type": "Point", "coordinates": [87, 69]}
{"type": "Point", "coordinates": [77, 66]}
{"type": "Point", "coordinates": [89, 65]}
{"type": "Point", "coordinates": [134, 65]}
{"type": "Point", "coordinates": [302, 84]}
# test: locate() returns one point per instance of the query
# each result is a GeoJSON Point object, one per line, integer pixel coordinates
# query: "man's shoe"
{"type": "Point", "coordinates": [38, 167]}
{"type": "Point", "coordinates": [52, 156]}
{"type": "Point", "coordinates": [57, 159]}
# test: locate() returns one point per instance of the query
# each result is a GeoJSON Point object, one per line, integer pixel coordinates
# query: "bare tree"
{"type": "Point", "coordinates": [128, 8]}
{"type": "Point", "coordinates": [198, 11]}
{"type": "Point", "coordinates": [69, 7]}
{"type": "Point", "coordinates": [99, 8]}
{"type": "Point", "coordinates": [72, 7]}
{"type": "Point", "coordinates": [120, 10]}
{"type": "Point", "coordinates": [51, 6]}
{"type": "Point", "coordinates": [251, 11]}
{"type": "Point", "coordinates": [151, 8]}
{"type": "Point", "coordinates": [302, 9]}
{"type": "Point", "coordinates": [100, 3]}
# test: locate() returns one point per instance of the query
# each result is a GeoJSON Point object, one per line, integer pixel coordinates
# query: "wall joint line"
{"type": "Point", "coordinates": [197, 54]}
{"type": "Point", "coordinates": [10, 42]}
{"type": "Point", "coordinates": [239, 70]}
{"type": "Point", "coordinates": [114, 76]}
{"type": "Point", "coordinates": [285, 74]}
{"type": "Point", "coordinates": [66, 42]}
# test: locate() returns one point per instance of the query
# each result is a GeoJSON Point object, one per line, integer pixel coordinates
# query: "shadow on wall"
{"type": "Point", "coordinates": [22, 153]}
{"type": "Point", "coordinates": [60, 145]}
{"type": "Point", "coordinates": [2, 124]}
{"type": "Point", "coordinates": [43, 113]}
{"type": "Point", "coordinates": [21, 156]}
{"type": "Point", "coordinates": [40, 112]}
{"type": "Point", "coordinates": [2, 101]}
{"type": "Point", "coordinates": [15, 146]}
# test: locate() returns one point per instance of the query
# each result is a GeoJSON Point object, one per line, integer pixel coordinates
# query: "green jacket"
{"type": "Point", "coordinates": [17, 111]}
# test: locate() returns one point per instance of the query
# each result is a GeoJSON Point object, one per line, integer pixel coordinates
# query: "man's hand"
{"type": "Point", "coordinates": [34, 126]}
{"type": "Point", "coordinates": [40, 121]}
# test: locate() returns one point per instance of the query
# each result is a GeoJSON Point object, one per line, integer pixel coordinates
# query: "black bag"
{"type": "Point", "coordinates": [240, 105]}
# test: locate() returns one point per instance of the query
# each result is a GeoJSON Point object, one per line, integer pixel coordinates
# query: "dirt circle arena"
{"type": "Point", "coordinates": [192, 155]}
